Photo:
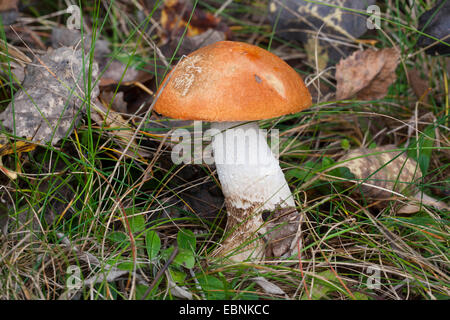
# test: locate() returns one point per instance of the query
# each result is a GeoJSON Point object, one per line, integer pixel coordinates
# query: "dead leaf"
{"type": "Point", "coordinates": [419, 85]}
{"type": "Point", "coordinates": [10, 174]}
{"type": "Point", "coordinates": [295, 19]}
{"type": "Point", "coordinates": [176, 290]}
{"type": "Point", "coordinates": [50, 103]}
{"type": "Point", "coordinates": [14, 53]}
{"type": "Point", "coordinates": [19, 146]}
{"type": "Point", "coordinates": [366, 74]}
{"type": "Point", "coordinates": [282, 226]}
{"type": "Point", "coordinates": [175, 16]}
{"type": "Point", "coordinates": [118, 73]}
{"type": "Point", "coordinates": [17, 61]}
{"type": "Point", "coordinates": [383, 172]}
{"type": "Point", "coordinates": [268, 286]}
{"type": "Point", "coordinates": [8, 5]}
{"type": "Point", "coordinates": [8, 11]}
{"type": "Point", "coordinates": [202, 28]}
{"type": "Point", "coordinates": [118, 104]}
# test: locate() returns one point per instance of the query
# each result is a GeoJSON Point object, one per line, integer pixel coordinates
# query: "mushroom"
{"type": "Point", "coordinates": [232, 84]}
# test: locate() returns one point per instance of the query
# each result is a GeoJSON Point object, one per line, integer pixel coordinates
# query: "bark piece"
{"type": "Point", "coordinates": [318, 24]}
{"type": "Point", "coordinates": [282, 229]}
{"type": "Point", "coordinates": [9, 11]}
{"type": "Point", "coordinates": [63, 37]}
{"type": "Point", "coordinates": [52, 98]}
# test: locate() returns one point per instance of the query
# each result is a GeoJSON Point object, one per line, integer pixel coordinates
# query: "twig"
{"type": "Point", "coordinates": [161, 272]}
{"type": "Point", "coordinates": [222, 7]}
{"type": "Point", "coordinates": [300, 265]}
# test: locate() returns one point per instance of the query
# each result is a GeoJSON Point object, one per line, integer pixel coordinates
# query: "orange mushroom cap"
{"type": "Point", "coordinates": [231, 81]}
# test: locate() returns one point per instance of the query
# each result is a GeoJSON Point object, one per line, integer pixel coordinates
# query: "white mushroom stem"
{"type": "Point", "coordinates": [252, 182]}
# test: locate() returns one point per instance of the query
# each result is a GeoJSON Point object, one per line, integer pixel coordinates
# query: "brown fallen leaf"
{"type": "Point", "coordinates": [202, 28]}
{"type": "Point", "coordinates": [116, 100]}
{"type": "Point", "coordinates": [381, 170]}
{"type": "Point", "coordinates": [8, 11]}
{"type": "Point", "coordinates": [366, 74]}
{"type": "Point", "coordinates": [385, 171]}
{"type": "Point", "coordinates": [17, 61]}
{"type": "Point", "coordinates": [8, 5]}
{"type": "Point", "coordinates": [10, 147]}
{"type": "Point", "coordinates": [282, 226]}
{"type": "Point", "coordinates": [16, 147]}
{"type": "Point", "coordinates": [419, 85]}
{"type": "Point", "coordinates": [176, 14]}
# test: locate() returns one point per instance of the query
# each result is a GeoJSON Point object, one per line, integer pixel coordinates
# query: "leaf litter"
{"type": "Point", "coordinates": [384, 172]}
{"type": "Point", "coordinates": [366, 74]}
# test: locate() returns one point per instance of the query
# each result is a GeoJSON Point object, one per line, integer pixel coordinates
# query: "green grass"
{"type": "Point", "coordinates": [119, 218]}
